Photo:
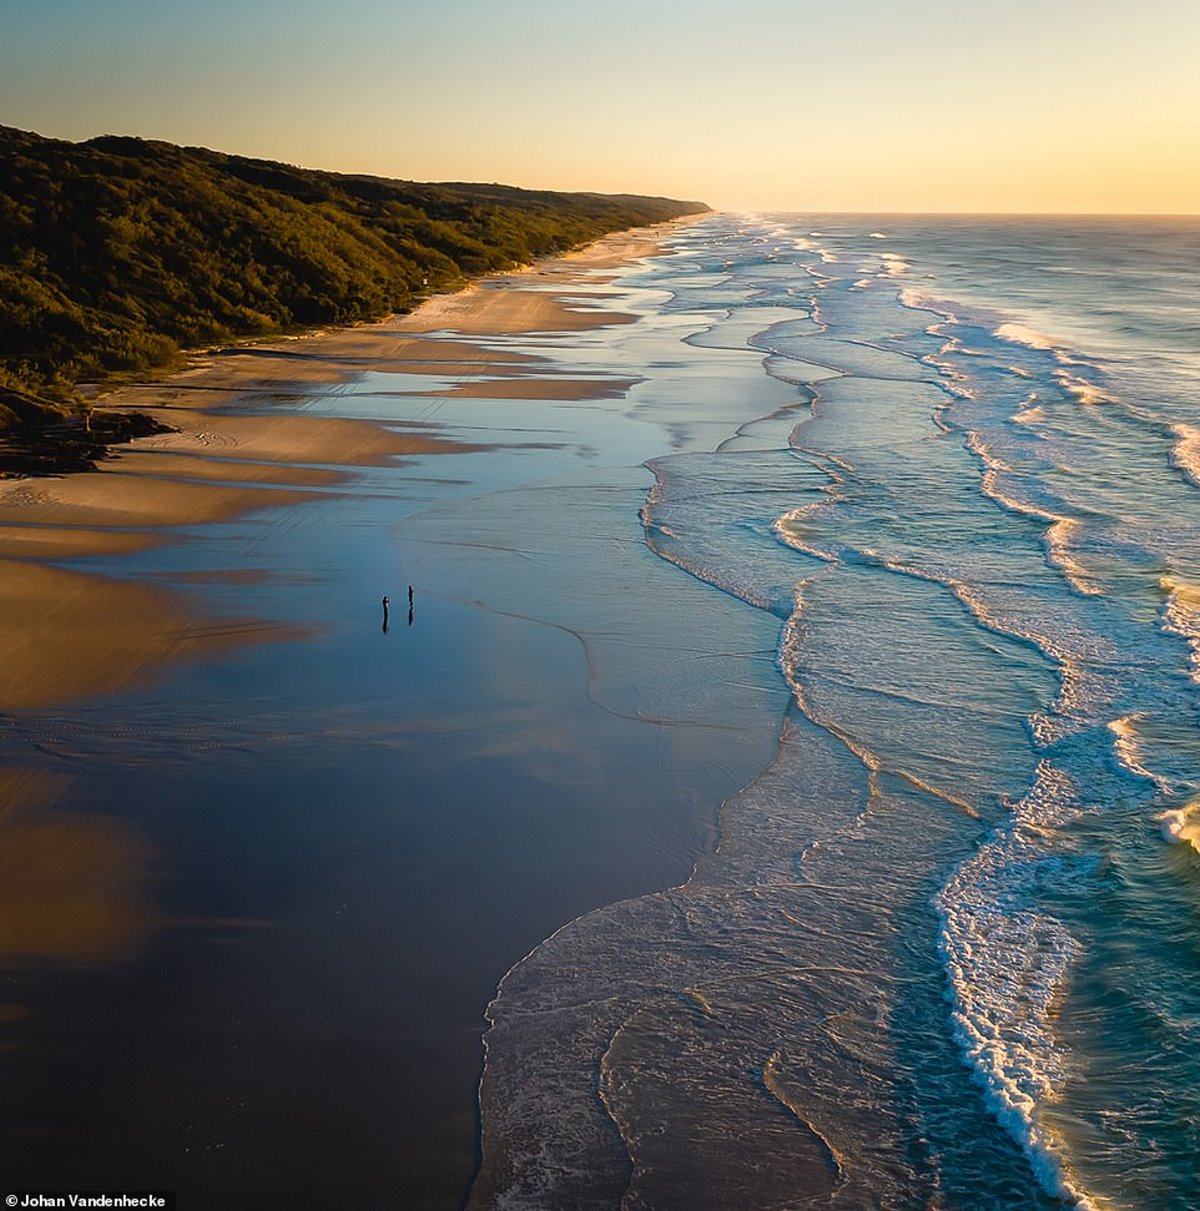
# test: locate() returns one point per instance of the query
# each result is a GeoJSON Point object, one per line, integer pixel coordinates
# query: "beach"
{"type": "Point", "coordinates": [776, 790]}
{"type": "Point", "coordinates": [231, 452]}
{"type": "Point", "coordinates": [315, 848]}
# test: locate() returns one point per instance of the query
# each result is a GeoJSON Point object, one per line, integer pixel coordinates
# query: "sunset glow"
{"type": "Point", "coordinates": [867, 105]}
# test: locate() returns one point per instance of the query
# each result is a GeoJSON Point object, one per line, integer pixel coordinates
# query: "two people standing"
{"type": "Point", "coordinates": [386, 603]}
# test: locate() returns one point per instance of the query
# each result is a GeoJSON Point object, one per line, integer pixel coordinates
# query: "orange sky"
{"type": "Point", "coordinates": [878, 105]}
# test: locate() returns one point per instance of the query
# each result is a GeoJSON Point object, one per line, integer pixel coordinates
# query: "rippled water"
{"type": "Point", "coordinates": [885, 575]}
{"type": "Point", "coordinates": [945, 952]}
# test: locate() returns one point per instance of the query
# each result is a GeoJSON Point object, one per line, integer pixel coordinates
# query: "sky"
{"type": "Point", "coordinates": [1067, 106]}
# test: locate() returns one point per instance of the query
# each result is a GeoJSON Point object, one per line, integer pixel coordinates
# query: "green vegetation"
{"type": "Point", "coordinates": [117, 253]}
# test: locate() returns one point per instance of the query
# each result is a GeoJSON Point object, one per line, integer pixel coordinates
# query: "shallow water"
{"type": "Point", "coordinates": [326, 853]}
{"type": "Point", "coordinates": [947, 929]}
{"type": "Point", "coordinates": [818, 720]}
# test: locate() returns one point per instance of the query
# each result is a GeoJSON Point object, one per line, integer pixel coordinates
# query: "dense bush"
{"type": "Point", "coordinates": [118, 252]}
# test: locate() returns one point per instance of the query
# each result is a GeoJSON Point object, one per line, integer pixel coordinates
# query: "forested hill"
{"type": "Point", "coordinates": [118, 252]}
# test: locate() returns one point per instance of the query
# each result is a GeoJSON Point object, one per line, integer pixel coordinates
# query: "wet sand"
{"type": "Point", "coordinates": [66, 634]}
{"type": "Point", "coordinates": [72, 886]}
{"type": "Point", "coordinates": [319, 845]}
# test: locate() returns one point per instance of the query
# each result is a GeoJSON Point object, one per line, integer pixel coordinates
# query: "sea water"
{"type": "Point", "coordinates": [879, 591]}
{"type": "Point", "coordinates": [945, 952]}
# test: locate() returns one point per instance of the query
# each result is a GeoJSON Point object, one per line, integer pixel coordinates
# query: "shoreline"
{"type": "Point", "coordinates": [334, 853]}
{"type": "Point", "coordinates": [343, 344]}
{"type": "Point", "coordinates": [350, 347]}
{"type": "Point", "coordinates": [234, 447]}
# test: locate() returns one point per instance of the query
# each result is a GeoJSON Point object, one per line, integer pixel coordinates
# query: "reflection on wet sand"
{"type": "Point", "coordinates": [351, 841]}
{"type": "Point", "coordinates": [65, 635]}
{"type": "Point", "coordinates": [72, 886]}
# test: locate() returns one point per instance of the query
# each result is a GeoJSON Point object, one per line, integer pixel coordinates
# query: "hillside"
{"type": "Point", "coordinates": [117, 253]}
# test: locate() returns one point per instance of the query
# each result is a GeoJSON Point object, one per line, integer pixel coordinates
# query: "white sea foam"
{"type": "Point", "coordinates": [1059, 554]}
{"type": "Point", "coordinates": [1128, 748]}
{"type": "Point", "coordinates": [794, 531]}
{"type": "Point", "coordinates": [1085, 392]}
{"type": "Point", "coordinates": [1046, 727]}
{"type": "Point", "coordinates": [1030, 411]}
{"type": "Point", "coordinates": [878, 235]}
{"type": "Point", "coordinates": [1059, 530]}
{"type": "Point", "coordinates": [915, 299]}
{"type": "Point", "coordinates": [1182, 824]}
{"type": "Point", "coordinates": [954, 381]}
{"type": "Point", "coordinates": [792, 640]}
{"type": "Point", "coordinates": [894, 265]}
{"type": "Point", "coordinates": [991, 463]}
{"type": "Point", "coordinates": [1031, 338]}
{"type": "Point", "coordinates": [793, 527]}
{"type": "Point", "coordinates": [835, 460]}
{"type": "Point", "coordinates": [1022, 335]}
{"type": "Point", "coordinates": [1181, 616]}
{"type": "Point", "coordinates": [1186, 454]}
{"type": "Point", "coordinates": [1009, 966]}
{"type": "Point", "coordinates": [663, 539]}
{"type": "Point", "coordinates": [791, 658]}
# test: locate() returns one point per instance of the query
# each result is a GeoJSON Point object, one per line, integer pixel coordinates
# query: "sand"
{"type": "Point", "coordinates": [62, 542]}
{"type": "Point", "coordinates": [312, 880]}
{"type": "Point", "coordinates": [65, 634]}
{"type": "Point", "coordinates": [282, 439]}
{"type": "Point", "coordinates": [72, 887]}
{"type": "Point", "coordinates": [499, 307]}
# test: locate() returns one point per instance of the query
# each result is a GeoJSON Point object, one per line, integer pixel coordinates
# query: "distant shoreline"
{"type": "Point", "coordinates": [78, 442]}
{"type": "Point", "coordinates": [123, 253]}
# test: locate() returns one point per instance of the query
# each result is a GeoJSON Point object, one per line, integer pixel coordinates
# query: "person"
{"type": "Point", "coordinates": [410, 605]}
{"type": "Point", "coordinates": [385, 613]}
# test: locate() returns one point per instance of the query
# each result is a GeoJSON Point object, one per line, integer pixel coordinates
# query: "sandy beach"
{"type": "Point", "coordinates": [309, 846]}
{"type": "Point", "coordinates": [701, 719]}
{"type": "Point", "coordinates": [67, 634]}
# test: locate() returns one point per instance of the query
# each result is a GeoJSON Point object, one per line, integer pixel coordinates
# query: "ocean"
{"type": "Point", "coordinates": [946, 945]}
{"type": "Point", "coordinates": [785, 791]}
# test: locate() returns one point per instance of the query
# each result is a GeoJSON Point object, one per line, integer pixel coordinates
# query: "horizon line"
{"type": "Point", "coordinates": [963, 214]}
{"type": "Point", "coordinates": [713, 209]}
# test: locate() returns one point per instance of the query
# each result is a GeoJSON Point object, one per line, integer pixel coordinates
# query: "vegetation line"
{"type": "Point", "coordinates": [116, 254]}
